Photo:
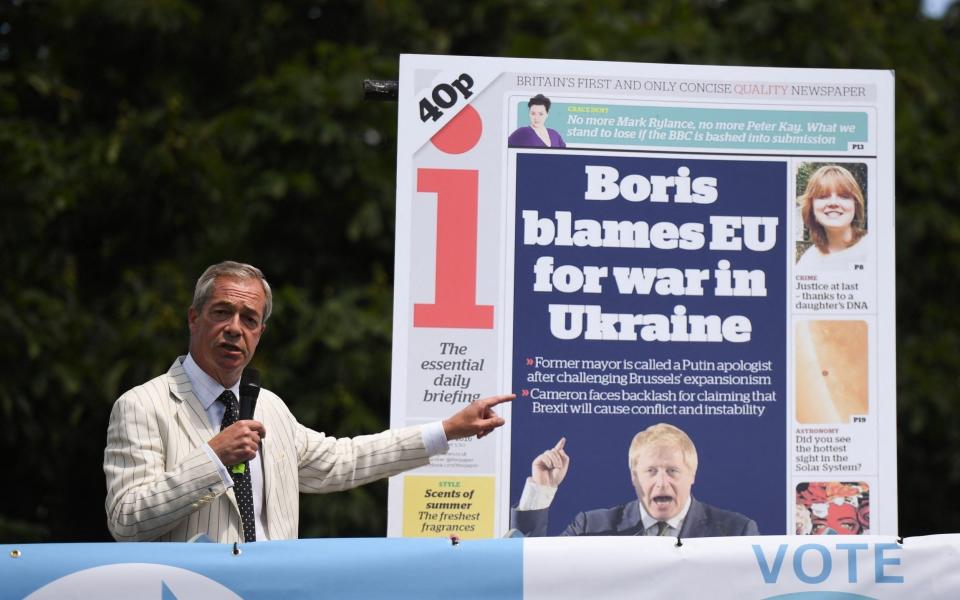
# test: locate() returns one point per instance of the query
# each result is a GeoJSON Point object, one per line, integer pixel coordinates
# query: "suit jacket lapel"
{"type": "Point", "coordinates": [695, 522]}
{"type": "Point", "coordinates": [189, 411]}
{"type": "Point", "coordinates": [631, 523]}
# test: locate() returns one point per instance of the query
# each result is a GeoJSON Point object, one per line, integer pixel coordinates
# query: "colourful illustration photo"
{"type": "Point", "coordinates": [833, 508]}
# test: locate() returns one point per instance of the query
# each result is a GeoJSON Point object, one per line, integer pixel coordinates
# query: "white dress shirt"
{"type": "Point", "coordinates": [674, 525]}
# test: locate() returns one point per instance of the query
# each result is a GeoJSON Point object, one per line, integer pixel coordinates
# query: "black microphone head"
{"type": "Point", "coordinates": [249, 390]}
{"type": "Point", "coordinates": [250, 378]}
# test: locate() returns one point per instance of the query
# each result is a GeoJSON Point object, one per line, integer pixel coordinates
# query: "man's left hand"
{"type": "Point", "coordinates": [478, 418]}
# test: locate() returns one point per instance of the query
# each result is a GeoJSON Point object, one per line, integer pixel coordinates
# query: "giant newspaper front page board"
{"type": "Point", "coordinates": [623, 245]}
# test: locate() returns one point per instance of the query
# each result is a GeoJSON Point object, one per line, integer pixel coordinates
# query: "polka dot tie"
{"type": "Point", "coordinates": [240, 473]}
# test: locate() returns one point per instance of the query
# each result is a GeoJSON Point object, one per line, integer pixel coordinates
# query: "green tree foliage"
{"type": "Point", "coordinates": [141, 140]}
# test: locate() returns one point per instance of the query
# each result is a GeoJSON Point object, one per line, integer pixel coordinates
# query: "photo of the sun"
{"type": "Point", "coordinates": [831, 371]}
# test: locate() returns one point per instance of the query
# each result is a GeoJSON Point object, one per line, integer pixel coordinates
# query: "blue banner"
{"type": "Point", "coordinates": [346, 568]}
{"type": "Point", "coordinates": [797, 567]}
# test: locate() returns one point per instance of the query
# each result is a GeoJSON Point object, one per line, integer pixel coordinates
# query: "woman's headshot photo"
{"type": "Point", "coordinates": [833, 210]}
{"type": "Point", "coordinates": [536, 135]}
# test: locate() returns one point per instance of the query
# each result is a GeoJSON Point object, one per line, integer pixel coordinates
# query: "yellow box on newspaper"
{"type": "Point", "coordinates": [445, 506]}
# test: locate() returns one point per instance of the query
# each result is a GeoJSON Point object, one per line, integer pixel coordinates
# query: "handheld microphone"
{"type": "Point", "coordinates": [249, 390]}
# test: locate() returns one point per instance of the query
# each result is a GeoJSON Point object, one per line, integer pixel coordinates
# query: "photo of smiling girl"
{"type": "Point", "coordinates": [834, 213]}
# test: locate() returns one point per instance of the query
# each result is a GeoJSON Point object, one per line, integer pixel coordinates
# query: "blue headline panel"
{"type": "Point", "coordinates": [619, 261]}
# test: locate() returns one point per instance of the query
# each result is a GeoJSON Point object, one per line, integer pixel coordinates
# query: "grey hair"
{"type": "Point", "coordinates": [236, 270]}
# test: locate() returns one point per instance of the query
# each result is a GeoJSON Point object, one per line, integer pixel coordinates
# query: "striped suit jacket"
{"type": "Point", "coordinates": [162, 485]}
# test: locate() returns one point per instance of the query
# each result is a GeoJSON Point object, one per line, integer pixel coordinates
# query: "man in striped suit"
{"type": "Point", "coordinates": [167, 461]}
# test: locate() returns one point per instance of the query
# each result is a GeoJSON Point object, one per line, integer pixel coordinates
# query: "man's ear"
{"type": "Point", "coordinates": [192, 316]}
